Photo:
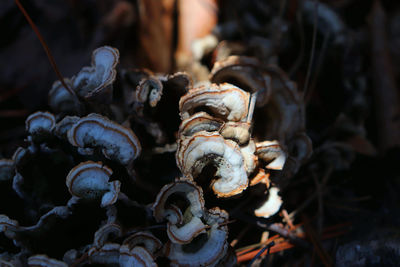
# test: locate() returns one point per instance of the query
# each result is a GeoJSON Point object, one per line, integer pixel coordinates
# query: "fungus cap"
{"type": "Point", "coordinates": [137, 256]}
{"type": "Point", "coordinates": [45, 261]}
{"type": "Point", "coordinates": [210, 251]}
{"type": "Point", "coordinates": [149, 89]}
{"type": "Point", "coordinates": [89, 180]}
{"type": "Point", "coordinates": [107, 231]}
{"type": "Point", "coordinates": [145, 239]}
{"type": "Point", "coordinates": [97, 79]}
{"type": "Point", "coordinates": [272, 152]}
{"type": "Point", "coordinates": [117, 142]}
{"type": "Point", "coordinates": [61, 99]}
{"type": "Point", "coordinates": [187, 230]}
{"type": "Point", "coordinates": [40, 122]}
{"type": "Point", "coordinates": [224, 101]}
{"type": "Point", "coordinates": [205, 148]}
{"type": "Point", "coordinates": [271, 206]}
{"type": "Point", "coordinates": [244, 72]}
{"type": "Point", "coordinates": [200, 121]}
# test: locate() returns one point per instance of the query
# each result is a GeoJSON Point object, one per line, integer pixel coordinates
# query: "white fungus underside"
{"type": "Point", "coordinates": [231, 169]}
{"type": "Point", "coordinates": [271, 206]}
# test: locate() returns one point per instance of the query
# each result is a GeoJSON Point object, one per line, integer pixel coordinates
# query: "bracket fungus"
{"type": "Point", "coordinates": [192, 224]}
{"type": "Point", "coordinates": [237, 131]}
{"type": "Point", "coordinates": [106, 232]}
{"type": "Point", "coordinates": [245, 73]}
{"type": "Point", "coordinates": [224, 101]}
{"type": "Point", "coordinates": [204, 148]}
{"type": "Point", "coordinates": [218, 145]}
{"type": "Point", "coordinates": [200, 121]}
{"type": "Point", "coordinates": [117, 142]}
{"type": "Point", "coordinates": [150, 90]}
{"type": "Point", "coordinates": [61, 100]}
{"type": "Point", "coordinates": [63, 126]}
{"type": "Point", "coordinates": [137, 256]}
{"type": "Point", "coordinates": [90, 180]}
{"type": "Point", "coordinates": [207, 249]}
{"type": "Point", "coordinates": [139, 250]}
{"type": "Point", "coordinates": [271, 206]}
{"type": "Point", "coordinates": [44, 261]}
{"type": "Point", "coordinates": [40, 123]}
{"type": "Point", "coordinates": [271, 152]}
{"type": "Point", "coordinates": [96, 80]}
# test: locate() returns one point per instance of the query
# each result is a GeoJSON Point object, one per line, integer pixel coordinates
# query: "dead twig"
{"type": "Point", "coordinates": [45, 47]}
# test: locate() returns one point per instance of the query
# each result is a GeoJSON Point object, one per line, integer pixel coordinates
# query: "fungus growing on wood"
{"type": "Point", "coordinates": [117, 142]}
{"type": "Point", "coordinates": [272, 153]}
{"type": "Point", "coordinates": [245, 73]}
{"type": "Point", "coordinates": [224, 101]}
{"type": "Point", "coordinates": [107, 254]}
{"type": "Point", "coordinates": [137, 256]}
{"type": "Point", "coordinates": [192, 225]}
{"type": "Point", "coordinates": [271, 206]}
{"type": "Point", "coordinates": [40, 123]}
{"type": "Point", "coordinates": [237, 131]}
{"type": "Point", "coordinates": [207, 249]}
{"type": "Point", "coordinates": [90, 180]}
{"type": "Point", "coordinates": [105, 233]}
{"type": "Point", "coordinates": [96, 81]}
{"type": "Point", "coordinates": [45, 261]}
{"type": "Point", "coordinates": [200, 121]}
{"type": "Point", "coordinates": [150, 90]}
{"type": "Point", "coordinates": [205, 148]}
{"type": "Point", "coordinates": [63, 126]}
{"type": "Point", "coordinates": [145, 239]}
{"type": "Point", "coordinates": [61, 100]}
{"type": "Point", "coordinates": [139, 250]}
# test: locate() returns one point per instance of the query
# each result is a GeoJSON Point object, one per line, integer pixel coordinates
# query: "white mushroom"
{"type": "Point", "coordinates": [271, 152]}
{"type": "Point", "coordinates": [117, 142]}
{"type": "Point", "coordinates": [223, 101]}
{"type": "Point", "coordinates": [205, 148]}
{"type": "Point", "coordinates": [45, 261]}
{"type": "Point", "coordinates": [89, 180]}
{"type": "Point", "coordinates": [271, 206]}
{"type": "Point", "coordinates": [40, 123]}
{"type": "Point", "coordinates": [97, 79]}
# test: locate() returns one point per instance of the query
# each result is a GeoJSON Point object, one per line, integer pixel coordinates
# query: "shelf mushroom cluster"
{"type": "Point", "coordinates": [197, 236]}
{"type": "Point", "coordinates": [79, 165]}
{"type": "Point", "coordinates": [215, 131]}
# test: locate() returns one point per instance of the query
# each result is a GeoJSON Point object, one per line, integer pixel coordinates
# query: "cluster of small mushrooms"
{"type": "Point", "coordinates": [77, 187]}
